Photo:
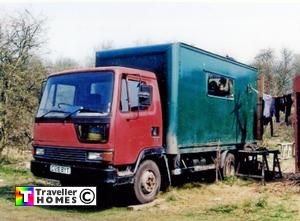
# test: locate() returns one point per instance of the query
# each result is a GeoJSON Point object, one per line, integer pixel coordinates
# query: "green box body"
{"type": "Point", "coordinates": [194, 121]}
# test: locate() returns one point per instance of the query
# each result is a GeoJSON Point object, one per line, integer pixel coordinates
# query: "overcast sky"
{"type": "Point", "coordinates": [239, 30]}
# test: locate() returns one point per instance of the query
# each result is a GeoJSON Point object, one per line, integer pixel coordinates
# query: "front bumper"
{"type": "Point", "coordinates": [88, 173]}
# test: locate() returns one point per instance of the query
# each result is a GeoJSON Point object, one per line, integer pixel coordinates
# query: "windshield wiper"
{"type": "Point", "coordinates": [82, 109]}
{"type": "Point", "coordinates": [53, 111]}
{"type": "Point", "coordinates": [73, 112]}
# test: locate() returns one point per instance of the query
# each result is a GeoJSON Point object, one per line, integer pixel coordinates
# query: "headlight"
{"type": "Point", "coordinates": [39, 151]}
{"type": "Point", "coordinates": [94, 156]}
{"type": "Point", "coordinates": [103, 156]}
{"type": "Point", "coordinates": [93, 133]}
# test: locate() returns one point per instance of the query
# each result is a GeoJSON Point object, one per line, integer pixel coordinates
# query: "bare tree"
{"type": "Point", "coordinates": [278, 72]}
{"type": "Point", "coordinates": [285, 72]}
{"type": "Point", "coordinates": [90, 58]}
{"type": "Point", "coordinates": [264, 62]}
{"type": "Point", "coordinates": [62, 64]}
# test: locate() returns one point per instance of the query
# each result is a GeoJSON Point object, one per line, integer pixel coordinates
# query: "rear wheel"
{"type": "Point", "coordinates": [229, 165]}
{"type": "Point", "coordinates": [147, 181]}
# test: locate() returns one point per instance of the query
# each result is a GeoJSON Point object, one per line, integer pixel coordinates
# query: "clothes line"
{"type": "Point", "coordinates": [256, 91]}
{"type": "Point", "coordinates": [273, 105]}
{"type": "Point", "coordinates": [269, 103]}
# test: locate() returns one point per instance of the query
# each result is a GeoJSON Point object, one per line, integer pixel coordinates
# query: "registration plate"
{"type": "Point", "coordinates": [60, 169]}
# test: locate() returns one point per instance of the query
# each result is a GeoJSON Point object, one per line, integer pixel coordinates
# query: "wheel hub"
{"type": "Point", "coordinates": [148, 182]}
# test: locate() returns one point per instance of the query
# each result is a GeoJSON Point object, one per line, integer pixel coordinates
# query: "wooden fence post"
{"type": "Point", "coordinates": [259, 111]}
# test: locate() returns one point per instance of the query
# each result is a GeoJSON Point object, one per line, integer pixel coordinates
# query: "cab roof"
{"type": "Point", "coordinates": [116, 69]}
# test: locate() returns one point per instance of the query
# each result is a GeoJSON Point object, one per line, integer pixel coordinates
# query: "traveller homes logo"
{"type": "Point", "coordinates": [56, 196]}
{"type": "Point", "coordinates": [24, 196]}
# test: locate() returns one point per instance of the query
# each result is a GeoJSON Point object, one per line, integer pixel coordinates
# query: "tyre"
{"type": "Point", "coordinates": [147, 182]}
{"type": "Point", "coordinates": [229, 166]}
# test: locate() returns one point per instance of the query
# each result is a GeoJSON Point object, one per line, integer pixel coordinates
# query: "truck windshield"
{"type": "Point", "coordinates": [89, 91]}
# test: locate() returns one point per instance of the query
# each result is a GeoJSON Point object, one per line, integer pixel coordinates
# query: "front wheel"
{"type": "Point", "coordinates": [147, 182]}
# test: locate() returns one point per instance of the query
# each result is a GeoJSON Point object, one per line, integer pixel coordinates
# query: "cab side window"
{"type": "Point", "coordinates": [129, 95]}
{"type": "Point", "coordinates": [133, 89]}
{"type": "Point", "coordinates": [124, 103]}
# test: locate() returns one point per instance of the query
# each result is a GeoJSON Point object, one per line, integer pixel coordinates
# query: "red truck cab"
{"type": "Point", "coordinates": [96, 125]}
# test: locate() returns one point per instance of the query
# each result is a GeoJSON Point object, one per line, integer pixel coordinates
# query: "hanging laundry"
{"type": "Point", "coordinates": [268, 111]}
{"type": "Point", "coordinates": [273, 105]}
{"type": "Point", "coordinates": [267, 105]}
{"type": "Point", "coordinates": [288, 102]}
{"type": "Point", "coordinates": [272, 109]}
{"type": "Point", "coordinates": [277, 109]}
{"type": "Point", "coordinates": [269, 120]}
{"type": "Point", "coordinates": [279, 106]}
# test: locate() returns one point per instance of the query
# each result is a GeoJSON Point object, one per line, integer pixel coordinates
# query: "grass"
{"type": "Point", "coordinates": [224, 208]}
{"type": "Point", "coordinates": [232, 199]}
{"type": "Point", "coordinates": [261, 208]}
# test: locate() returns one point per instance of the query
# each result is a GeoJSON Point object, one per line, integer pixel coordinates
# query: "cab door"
{"type": "Point", "coordinates": [134, 124]}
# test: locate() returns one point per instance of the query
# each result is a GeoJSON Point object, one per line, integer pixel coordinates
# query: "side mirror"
{"type": "Point", "coordinates": [145, 96]}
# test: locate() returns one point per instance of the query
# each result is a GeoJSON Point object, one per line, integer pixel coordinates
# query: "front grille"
{"type": "Point", "coordinates": [65, 154]}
